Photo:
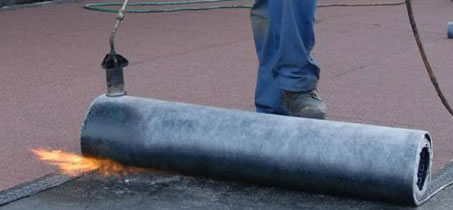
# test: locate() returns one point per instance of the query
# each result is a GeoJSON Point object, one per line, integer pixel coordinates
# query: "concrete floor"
{"type": "Point", "coordinates": [51, 55]}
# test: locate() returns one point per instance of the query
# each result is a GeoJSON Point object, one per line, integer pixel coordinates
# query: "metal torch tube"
{"type": "Point", "coordinates": [115, 82]}
{"type": "Point", "coordinates": [312, 155]}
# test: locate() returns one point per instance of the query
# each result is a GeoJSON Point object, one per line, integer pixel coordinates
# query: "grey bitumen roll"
{"type": "Point", "coordinates": [365, 161]}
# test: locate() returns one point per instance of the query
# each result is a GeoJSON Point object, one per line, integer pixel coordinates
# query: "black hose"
{"type": "Point", "coordinates": [429, 69]}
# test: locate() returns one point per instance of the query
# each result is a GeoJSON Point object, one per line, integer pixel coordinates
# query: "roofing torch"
{"type": "Point", "coordinates": [114, 63]}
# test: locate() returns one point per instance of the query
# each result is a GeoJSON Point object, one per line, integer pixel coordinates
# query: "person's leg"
{"type": "Point", "coordinates": [284, 38]}
{"type": "Point", "coordinates": [295, 68]}
{"type": "Point", "coordinates": [266, 26]}
{"type": "Point", "coordinates": [298, 73]}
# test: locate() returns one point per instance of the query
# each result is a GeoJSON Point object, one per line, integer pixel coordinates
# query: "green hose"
{"type": "Point", "coordinates": [101, 7]}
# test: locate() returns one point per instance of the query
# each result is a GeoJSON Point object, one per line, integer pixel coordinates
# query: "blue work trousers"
{"type": "Point", "coordinates": [284, 37]}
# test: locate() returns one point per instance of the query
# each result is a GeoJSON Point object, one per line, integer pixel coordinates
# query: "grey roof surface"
{"type": "Point", "coordinates": [150, 190]}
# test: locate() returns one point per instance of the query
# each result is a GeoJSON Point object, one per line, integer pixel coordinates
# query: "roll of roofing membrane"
{"type": "Point", "coordinates": [358, 160]}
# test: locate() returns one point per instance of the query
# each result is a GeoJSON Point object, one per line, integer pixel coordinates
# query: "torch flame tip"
{"type": "Point", "coordinates": [75, 164]}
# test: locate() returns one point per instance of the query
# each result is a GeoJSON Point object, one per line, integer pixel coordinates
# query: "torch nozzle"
{"type": "Point", "coordinates": [113, 64]}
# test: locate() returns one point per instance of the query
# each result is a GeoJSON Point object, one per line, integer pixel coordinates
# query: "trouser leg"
{"type": "Point", "coordinates": [284, 37]}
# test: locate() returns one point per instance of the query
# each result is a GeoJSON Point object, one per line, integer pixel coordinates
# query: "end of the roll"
{"type": "Point", "coordinates": [423, 171]}
{"type": "Point", "coordinates": [423, 168]}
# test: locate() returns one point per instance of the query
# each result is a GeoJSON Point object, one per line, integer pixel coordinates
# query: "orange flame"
{"type": "Point", "coordinates": [73, 164]}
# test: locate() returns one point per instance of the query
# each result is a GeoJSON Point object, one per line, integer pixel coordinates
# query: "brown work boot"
{"type": "Point", "coordinates": [305, 104]}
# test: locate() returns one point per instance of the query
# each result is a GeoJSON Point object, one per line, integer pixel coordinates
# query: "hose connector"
{"type": "Point", "coordinates": [113, 64]}
{"type": "Point", "coordinates": [450, 30]}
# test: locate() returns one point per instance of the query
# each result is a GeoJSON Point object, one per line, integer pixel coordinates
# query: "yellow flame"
{"type": "Point", "coordinates": [74, 164]}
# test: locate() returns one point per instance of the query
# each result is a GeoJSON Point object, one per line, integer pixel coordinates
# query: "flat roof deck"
{"type": "Point", "coordinates": [371, 73]}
